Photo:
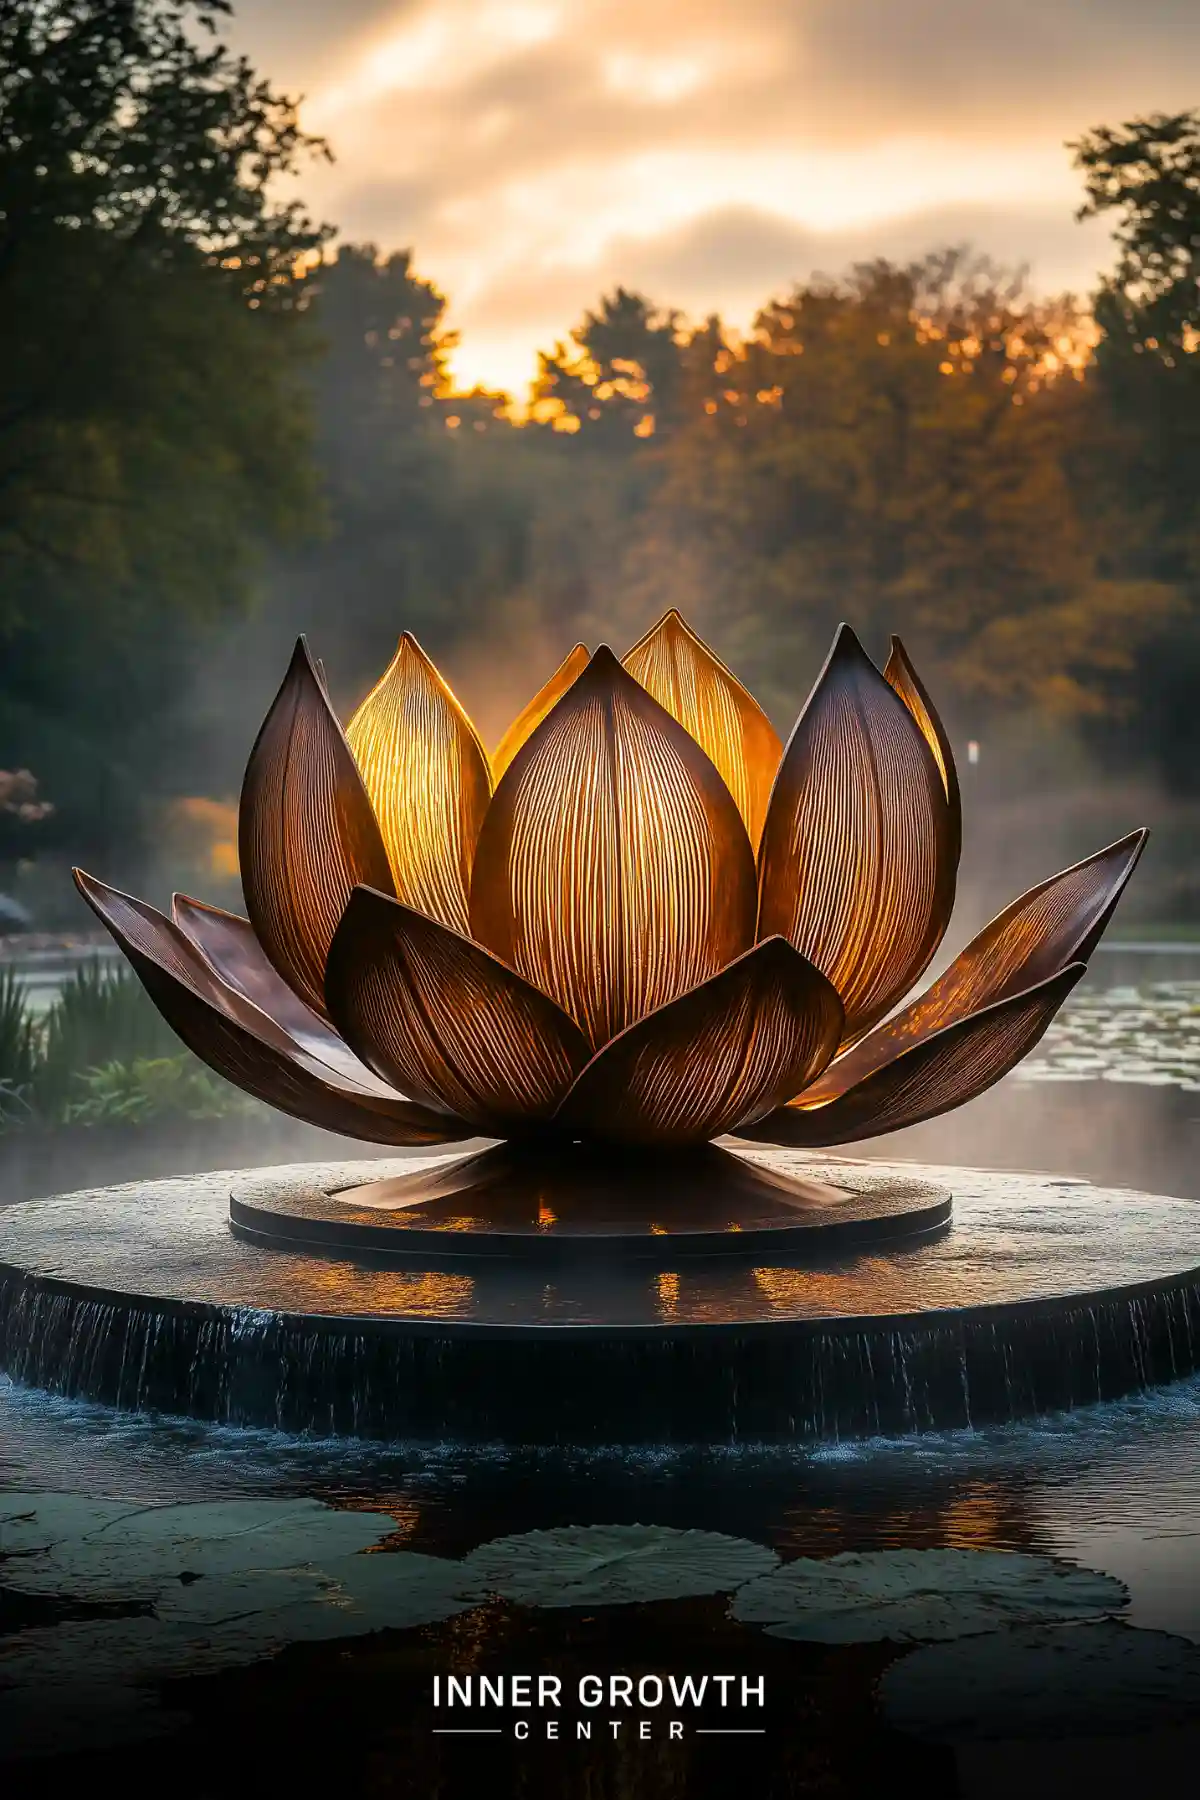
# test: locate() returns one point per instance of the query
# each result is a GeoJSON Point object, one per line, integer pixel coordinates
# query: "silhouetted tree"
{"type": "Point", "coordinates": [618, 380]}
{"type": "Point", "coordinates": [1147, 172]}
{"type": "Point", "coordinates": [153, 421]}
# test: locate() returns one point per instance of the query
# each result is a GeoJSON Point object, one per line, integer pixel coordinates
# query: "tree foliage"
{"type": "Point", "coordinates": [153, 424]}
{"type": "Point", "coordinates": [898, 448]}
{"type": "Point", "coordinates": [1147, 173]}
{"type": "Point", "coordinates": [619, 377]}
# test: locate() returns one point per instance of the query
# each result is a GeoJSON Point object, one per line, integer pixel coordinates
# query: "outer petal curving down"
{"type": "Point", "coordinates": [243, 1044]}
{"type": "Point", "coordinates": [306, 832]}
{"type": "Point", "coordinates": [613, 870]}
{"type": "Point", "coordinates": [1058, 922]}
{"type": "Point", "coordinates": [860, 850]}
{"type": "Point", "coordinates": [446, 1019]}
{"type": "Point", "coordinates": [945, 1070]}
{"type": "Point", "coordinates": [228, 945]}
{"type": "Point", "coordinates": [711, 704]}
{"type": "Point", "coordinates": [733, 1048]}
{"type": "Point", "coordinates": [428, 777]}
{"type": "Point", "coordinates": [530, 717]}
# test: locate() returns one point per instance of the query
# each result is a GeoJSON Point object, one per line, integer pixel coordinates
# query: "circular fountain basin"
{"type": "Point", "coordinates": [1043, 1293]}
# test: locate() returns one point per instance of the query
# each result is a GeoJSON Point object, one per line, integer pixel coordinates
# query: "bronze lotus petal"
{"type": "Point", "coordinates": [641, 921]}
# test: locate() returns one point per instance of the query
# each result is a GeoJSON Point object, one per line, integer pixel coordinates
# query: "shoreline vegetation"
{"type": "Point", "coordinates": [95, 1088]}
{"type": "Point", "coordinates": [221, 425]}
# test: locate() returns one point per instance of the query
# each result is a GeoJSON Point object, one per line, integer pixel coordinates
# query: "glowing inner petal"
{"type": "Point", "coordinates": [696, 688]}
{"type": "Point", "coordinates": [428, 778]}
{"type": "Point", "coordinates": [531, 716]}
{"type": "Point", "coordinates": [613, 870]}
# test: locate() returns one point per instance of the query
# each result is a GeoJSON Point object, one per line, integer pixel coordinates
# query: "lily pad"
{"type": "Point", "coordinates": [35, 1521]}
{"type": "Point", "coordinates": [614, 1565]}
{"type": "Point", "coordinates": [1042, 1681]}
{"type": "Point", "coordinates": [920, 1595]}
{"type": "Point", "coordinates": [228, 1583]}
{"type": "Point", "coordinates": [111, 1551]}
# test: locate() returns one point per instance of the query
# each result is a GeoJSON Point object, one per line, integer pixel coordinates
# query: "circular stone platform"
{"type": "Point", "coordinates": [577, 1207]}
{"type": "Point", "coordinates": [1042, 1294]}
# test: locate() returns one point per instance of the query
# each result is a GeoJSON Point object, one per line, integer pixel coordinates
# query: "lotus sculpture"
{"type": "Point", "coordinates": [641, 921]}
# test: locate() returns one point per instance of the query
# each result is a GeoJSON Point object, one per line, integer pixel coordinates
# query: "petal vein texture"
{"type": "Point", "coordinates": [1058, 922]}
{"type": "Point", "coordinates": [859, 851]}
{"type": "Point", "coordinates": [306, 832]}
{"type": "Point", "coordinates": [732, 1049]}
{"type": "Point", "coordinates": [241, 1043]}
{"type": "Point", "coordinates": [613, 870]}
{"type": "Point", "coordinates": [900, 675]}
{"type": "Point", "coordinates": [944, 1070]}
{"type": "Point", "coordinates": [428, 778]}
{"type": "Point", "coordinates": [696, 688]}
{"type": "Point", "coordinates": [444, 1019]}
{"type": "Point", "coordinates": [230, 948]}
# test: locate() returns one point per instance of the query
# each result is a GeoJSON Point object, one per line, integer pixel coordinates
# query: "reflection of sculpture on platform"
{"type": "Point", "coordinates": [640, 921]}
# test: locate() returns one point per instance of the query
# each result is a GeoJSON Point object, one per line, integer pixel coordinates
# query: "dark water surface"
{"type": "Point", "coordinates": [1112, 1489]}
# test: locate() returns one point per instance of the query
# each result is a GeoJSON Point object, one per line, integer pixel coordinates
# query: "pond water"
{"type": "Point", "coordinates": [308, 1658]}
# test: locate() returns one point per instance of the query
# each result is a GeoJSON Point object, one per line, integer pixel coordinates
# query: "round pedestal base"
{"type": "Point", "coordinates": [579, 1207]}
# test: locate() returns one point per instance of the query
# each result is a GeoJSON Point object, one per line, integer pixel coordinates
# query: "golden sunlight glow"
{"type": "Point", "coordinates": [206, 831]}
{"type": "Point", "coordinates": [428, 778]}
{"type": "Point", "coordinates": [535, 154]}
{"type": "Point", "coordinates": [444, 45]}
{"type": "Point", "coordinates": [660, 80]}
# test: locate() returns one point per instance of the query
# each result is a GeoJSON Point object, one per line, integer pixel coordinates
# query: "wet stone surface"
{"type": "Point", "coordinates": [1015, 1238]}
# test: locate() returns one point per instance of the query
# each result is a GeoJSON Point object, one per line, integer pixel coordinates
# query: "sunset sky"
{"type": "Point", "coordinates": [533, 153]}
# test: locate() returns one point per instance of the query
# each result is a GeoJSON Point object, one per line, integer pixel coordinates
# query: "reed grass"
{"type": "Point", "coordinates": [102, 1053]}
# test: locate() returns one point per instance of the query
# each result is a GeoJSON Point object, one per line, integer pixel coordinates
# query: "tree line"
{"type": "Point", "coordinates": [216, 429]}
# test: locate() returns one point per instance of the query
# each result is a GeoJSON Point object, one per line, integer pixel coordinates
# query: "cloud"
{"type": "Point", "coordinates": [740, 257]}
{"type": "Point", "coordinates": [734, 259]}
{"type": "Point", "coordinates": [533, 152]}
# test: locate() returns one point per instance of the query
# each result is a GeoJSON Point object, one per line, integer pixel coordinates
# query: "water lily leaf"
{"type": "Point", "coordinates": [1044, 1681]}
{"type": "Point", "coordinates": [105, 1551]}
{"type": "Point", "coordinates": [346, 1597]}
{"type": "Point", "coordinates": [393, 1592]}
{"type": "Point", "coordinates": [915, 1595]}
{"type": "Point", "coordinates": [229, 1582]}
{"type": "Point", "coordinates": [613, 1565]}
{"type": "Point", "coordinates": [35, 1521]}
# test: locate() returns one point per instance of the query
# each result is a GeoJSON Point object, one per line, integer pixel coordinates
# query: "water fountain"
{"type": "Point", "coordinates": [640, 926]}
